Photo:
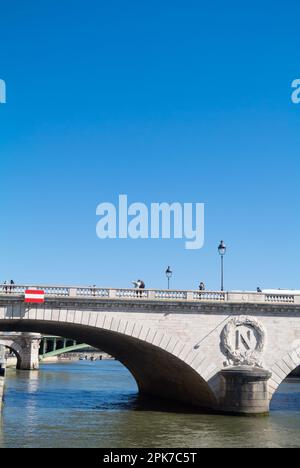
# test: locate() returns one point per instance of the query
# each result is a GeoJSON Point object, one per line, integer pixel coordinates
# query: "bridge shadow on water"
{"type": "Point", "coordinates": [142, 403]}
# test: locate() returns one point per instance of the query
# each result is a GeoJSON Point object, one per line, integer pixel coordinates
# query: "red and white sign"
{"type": "Point", "coordinates": [34, 296]}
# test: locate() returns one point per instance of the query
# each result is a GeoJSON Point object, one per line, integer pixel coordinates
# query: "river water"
{"type": "Point", "coordinates": [95, 404]}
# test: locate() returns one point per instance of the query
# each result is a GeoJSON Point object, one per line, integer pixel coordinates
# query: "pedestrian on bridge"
{"type": "Point", "coordinates": [139, 284]}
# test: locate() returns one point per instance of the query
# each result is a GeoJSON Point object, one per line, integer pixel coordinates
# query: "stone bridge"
{"type": "Point", "coordinates": [218, 351]}
{"type": "Point", "coordinates": [25, 346]}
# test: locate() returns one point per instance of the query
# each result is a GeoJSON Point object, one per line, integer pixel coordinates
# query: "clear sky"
{"type": "Point", "coordinates": [164, 101]}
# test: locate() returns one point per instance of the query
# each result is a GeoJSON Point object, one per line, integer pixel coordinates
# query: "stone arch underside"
{"type": "Point", "coordinates": [282, 368]}
{"type": "Point", "coordinates": [15, 347]}
{"type": "Point", "coordinates": [157, 372]}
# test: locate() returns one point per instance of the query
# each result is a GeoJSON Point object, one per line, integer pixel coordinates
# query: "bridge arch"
{"type": "Point", "coordinates": [152, 357]}
{"type": "Point", "coordinates": [282, 368]}
{"type": "Point", "coordinates": [15, 347]}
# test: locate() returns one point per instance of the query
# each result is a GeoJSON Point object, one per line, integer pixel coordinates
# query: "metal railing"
{"type": "Point", "coordinates": [95, 293]}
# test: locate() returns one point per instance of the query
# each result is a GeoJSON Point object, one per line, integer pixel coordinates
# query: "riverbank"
{"type": "Point", "coordinates": [73, 357]}
{"type": "Point", "coordinates": [11, 361]}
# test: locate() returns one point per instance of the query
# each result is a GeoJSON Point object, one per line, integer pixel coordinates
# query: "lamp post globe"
{"type": "Point", "coordinates": [169, 274]}
{"type": "Point", "coordinates": [222, 251]}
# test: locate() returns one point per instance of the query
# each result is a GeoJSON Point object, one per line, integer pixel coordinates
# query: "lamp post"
{"type": "Point", "coordinates": [169, 274]}
{"type": "Point", "coordinates": [222, 251]}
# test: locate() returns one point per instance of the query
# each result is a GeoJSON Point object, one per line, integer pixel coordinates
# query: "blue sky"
{"type": "Point", "coordinates": [197, 94]}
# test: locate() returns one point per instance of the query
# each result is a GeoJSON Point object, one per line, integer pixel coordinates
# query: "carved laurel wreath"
{"type": "Point", "coordinates": [251, 357]}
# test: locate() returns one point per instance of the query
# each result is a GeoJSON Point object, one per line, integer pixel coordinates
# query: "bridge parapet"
{"type": "Point", "coordinates": [282, 298]}
{"type": "Point", "coordinates": [154, 294]}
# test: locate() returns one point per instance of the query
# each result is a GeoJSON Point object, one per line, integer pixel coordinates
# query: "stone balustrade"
{"type": "Point", "coordinates": [97, 293]}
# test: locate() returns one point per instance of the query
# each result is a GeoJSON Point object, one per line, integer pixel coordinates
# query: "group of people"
{"type": "Point", "coordinates": [8, 286]}
{"type": "Point", "coordinates": [139, 284]}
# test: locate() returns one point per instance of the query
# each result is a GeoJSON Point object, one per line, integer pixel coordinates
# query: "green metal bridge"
{"type": "Point", "coordinates": [52, 346]}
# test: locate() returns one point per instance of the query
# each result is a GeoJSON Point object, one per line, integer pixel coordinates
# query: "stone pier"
{"type": "Point", "coordinates": [245, 391]}
{"type": "Point", "coordinates": [30, 352]}
{"type": "Point", "coordinates": [2, 373]}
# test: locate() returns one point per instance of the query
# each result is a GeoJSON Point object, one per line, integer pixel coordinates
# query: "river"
{"type": "Point", "coordinates": [95, 404]}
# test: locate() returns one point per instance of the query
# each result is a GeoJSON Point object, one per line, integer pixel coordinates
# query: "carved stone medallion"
{"type": "Point", "coordinates": [242, 341]}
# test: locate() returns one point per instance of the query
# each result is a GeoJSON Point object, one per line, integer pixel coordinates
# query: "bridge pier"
{"type": "Point", "coordinates": [2, 373]}
{"type": "Point", "coordinates": [29, 355]}
{"type": "Point", "coordinates": [245, 391]}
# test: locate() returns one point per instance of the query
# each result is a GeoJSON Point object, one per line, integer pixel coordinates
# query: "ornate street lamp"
{"type": "Point", "coordinates": [222, 251]}
{"type": "Point", "coordinates": [169, 274]}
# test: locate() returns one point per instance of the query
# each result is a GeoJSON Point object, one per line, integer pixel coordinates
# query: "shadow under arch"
{"type": "Point", "coordinates": [15, 348]}
{"type": "Point", "coordinates": [281, 370]}
{"type": "Point", "coordinates": [157, 372]}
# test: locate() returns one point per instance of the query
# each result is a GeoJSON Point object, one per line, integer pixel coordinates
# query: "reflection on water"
{"type": "Point", "coordinates": [95, 404]}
